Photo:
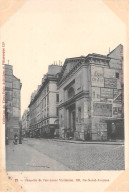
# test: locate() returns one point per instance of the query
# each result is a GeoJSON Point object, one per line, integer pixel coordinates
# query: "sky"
{"type": "Point", "coordinates": [44, 31]}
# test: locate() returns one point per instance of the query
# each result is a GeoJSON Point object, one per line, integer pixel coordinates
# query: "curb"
{"type": "Point", "coordinates": [78, 142]}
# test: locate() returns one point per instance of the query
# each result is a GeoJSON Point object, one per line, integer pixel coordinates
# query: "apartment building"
{"type": "Point", "coordinates": [43, 105]}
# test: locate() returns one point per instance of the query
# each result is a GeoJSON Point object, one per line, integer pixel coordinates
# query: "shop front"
{"type": "Point", "coordinates": [115, 129]}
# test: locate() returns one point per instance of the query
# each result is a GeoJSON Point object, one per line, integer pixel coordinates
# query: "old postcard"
{"type": "Point", "coordinates": [64, 95]}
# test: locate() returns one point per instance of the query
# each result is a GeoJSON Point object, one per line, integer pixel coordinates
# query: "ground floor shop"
{"type": "Point", "coordinates": [48, 131]}
{"type": "Point", "coordinates": [76, 121]}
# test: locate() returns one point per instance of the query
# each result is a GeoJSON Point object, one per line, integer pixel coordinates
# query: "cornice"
{"type": "Point", "coordinates": [74, 98]}
{"type": "Point", "coordinates": [96, 59]}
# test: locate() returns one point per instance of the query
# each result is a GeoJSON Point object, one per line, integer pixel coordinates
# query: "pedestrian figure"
{"type": "Point", "coordinates": [101, 135]}
{"type": "Point", "coordinates": [15, 139]}
{"type": "Point", "coordinates": [113, 131]}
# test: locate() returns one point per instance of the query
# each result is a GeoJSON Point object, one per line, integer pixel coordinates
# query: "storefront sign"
{"type": "Point", "coordinates": [117, 111]}
{"type": "Point", "coordinates": [101, 109]}
{"type": "Point", "coordinates": [106, 93]}
{"type": "Point", "coordinates": [116, 64]}
{"type": "Point", "coordinates": [96, 93]}
{"type": "Point", "coordinates": [97, 76]}
{"type": "Point", "coordinates": [109, 73]}
{"type": "Point", "coordinates": [110, 83]}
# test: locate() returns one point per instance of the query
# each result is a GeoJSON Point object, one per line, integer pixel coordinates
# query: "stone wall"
{"type": "Point", "coordinates": [13, 101]}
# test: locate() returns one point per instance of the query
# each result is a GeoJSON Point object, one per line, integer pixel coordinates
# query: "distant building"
{"type": "Point", "coordinates": [91, 97]}
{"type": "Point", "coordinates": [43, 105]}
{"type": "Point", "coordinates": [12, 102]}
{"type": "Point", "coordinates": [28, 124]}
{"type": "Point", "coordinates": [25, 123]}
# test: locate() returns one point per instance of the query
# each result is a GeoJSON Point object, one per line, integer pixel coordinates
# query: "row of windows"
{"type": "Point", "coordinates": [43, 123]}
{"type": "Point", "coordinates": [44, 102]}
{"type": "Point", "coordinates": [42, 106]}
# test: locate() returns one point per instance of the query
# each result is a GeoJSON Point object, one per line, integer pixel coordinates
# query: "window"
{"type": "Point", "coordinates": [47, 111]}
{"type": "Point", "coordinates": [57, 98]}
{"type": "Point", "coordinates": [117, 75]}
{"type": "Point", "coordinates": [94, 94]}
{"type": "Point", "coordinates": [71, 92]}
{"type": "Point", "coordinates": [79, 115]}
{"type": "Point", "coordinates": [57, 112]}
{"type": "Point", "coordinates": [47, 99]}
{"type": "Point", "coordinates": [47, 88]}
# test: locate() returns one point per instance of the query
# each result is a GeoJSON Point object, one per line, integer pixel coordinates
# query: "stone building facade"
{"type": "Point", "coordinates": [43, 105]}
{"type": "Point", "coordinates": [25, 123]}
{"type": "Point", "coordinates": [91, 97]}
{"type": "Point", "coordinates": [12, 102]}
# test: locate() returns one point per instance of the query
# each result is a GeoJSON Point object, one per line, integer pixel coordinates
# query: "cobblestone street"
{"type": "Point", "coordinates": [50, 155]}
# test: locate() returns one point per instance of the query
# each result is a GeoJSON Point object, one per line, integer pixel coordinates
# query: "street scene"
{"type": "Point", "coordinates": [74, 120]}
{"type": "Point", "coordinates": [54, 155]}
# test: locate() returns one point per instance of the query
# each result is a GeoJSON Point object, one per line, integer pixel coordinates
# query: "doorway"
{"type": "Point", "coordinates": [72, 118]}
{"type": "Point", "coordinates": [115, 130]}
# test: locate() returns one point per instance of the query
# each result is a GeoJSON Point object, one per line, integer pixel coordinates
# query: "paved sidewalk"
{"type": "Point", "coordinates": [119, 142]}
{"type": "Point", "coordinates": [59, 155]}
{"type": "Point", "coordinates": [22, 157]}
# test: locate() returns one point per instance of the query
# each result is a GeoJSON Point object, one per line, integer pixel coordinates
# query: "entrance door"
{"type": "Point", "coordinates": [71, 123]}
{"type": "Point", "coordinates": [73, 126]}
{"type": "Point", "coordinates": [115, 130]}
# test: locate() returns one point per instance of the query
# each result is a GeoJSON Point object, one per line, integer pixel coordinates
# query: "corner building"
{"type": "Point", "coordinates": [12, 102]}
{"type": "Point", "coordinates": [91, 97]}
{"type": "Point", "coordinates": [43, 106]}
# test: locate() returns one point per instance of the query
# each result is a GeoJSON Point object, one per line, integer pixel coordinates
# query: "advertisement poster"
{"type": "Point", "coordinates": [64, 96]}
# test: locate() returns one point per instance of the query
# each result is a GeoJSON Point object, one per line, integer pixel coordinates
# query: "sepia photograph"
{"type": "Point", "coordinates": [74, 120]}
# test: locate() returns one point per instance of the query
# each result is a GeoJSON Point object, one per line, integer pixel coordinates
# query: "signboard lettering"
{"type": "Point", "coordinates": [107, 93]}
{"type": "Point", "coordinates": [97, 76]}
{"type": "Point", "coordinates": [101, 109]}
{"type": "Point", "coordinates": [110, 83]}
{"type": "Point", "coordinates": [117, 111]}
{"type": "Point", "coordinates": [96, 93]}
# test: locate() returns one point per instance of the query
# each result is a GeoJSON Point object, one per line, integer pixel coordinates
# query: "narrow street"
{"type": "Point", "coordinates": [49, 155]}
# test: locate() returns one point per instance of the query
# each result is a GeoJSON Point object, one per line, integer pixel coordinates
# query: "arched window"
{"type": "Point", "coordinates": [71, 92]}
